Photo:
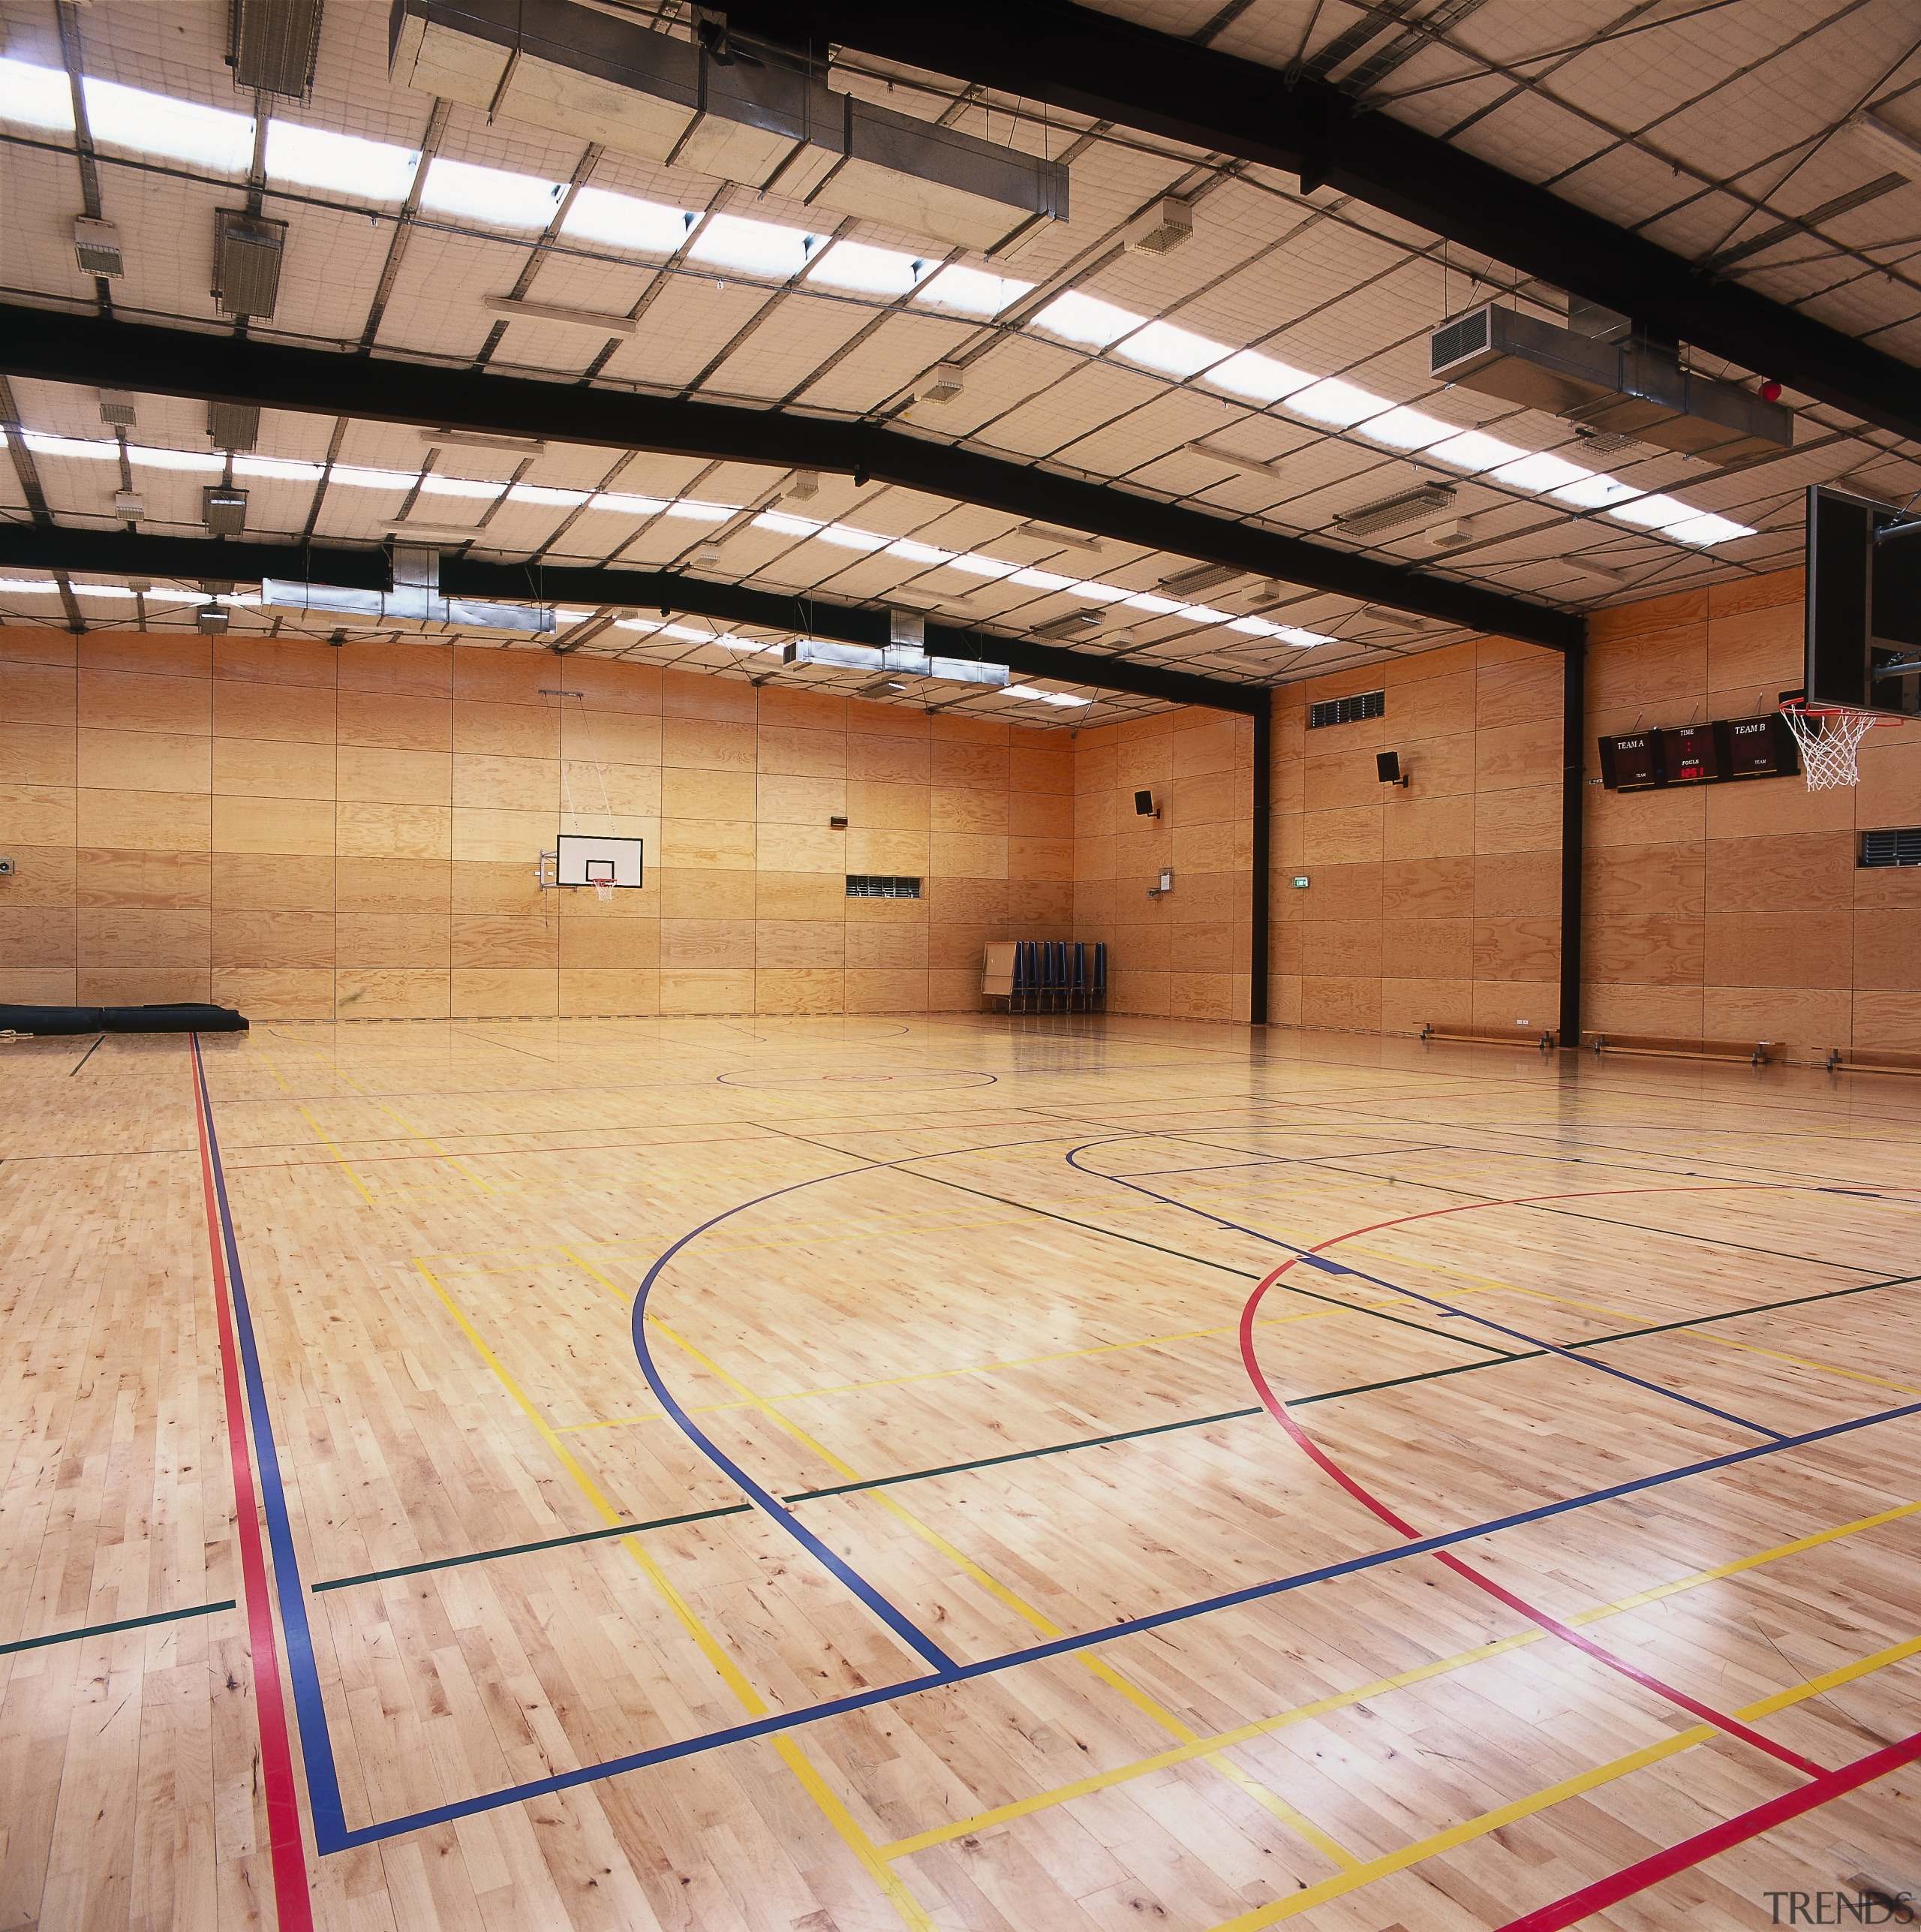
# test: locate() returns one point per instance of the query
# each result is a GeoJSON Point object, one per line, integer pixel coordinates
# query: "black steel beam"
{"type": "Point", "coordinates": [1093, 63]}
{"type": "Point", "coordinates": [118, 553]}
{"type": "Point", "coordinates": [57, 346]}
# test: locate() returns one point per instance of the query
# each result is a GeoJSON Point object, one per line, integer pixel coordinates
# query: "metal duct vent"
{"type": "Point", "coordinates": [1347, 710]}
{"type": "Point", "coordinates": [97, 247]}
{"type": "Point", "coordinates": [1073, 625]}
{"type": "Point", "coordinates": [744, 109]}
{"type": "Point", "coordinates": [118, 410]}
{"type": "Point", "coordinates": [211, 623]}
{"type": "Point", "coordinates": [223, 509]}
{"type": "Point", "coordinates": [247, 252]}
{"type": "Point", "coordinates": [1899, 845]}
{"type": "Point", "coordinates": [1627, 386]}
{"type": "Point", "coordinates": [1407, 506]}
{"type": "Point", "coordinates": [1190, 583]}
{"type": "Point", "coordinates": [234, 425]}
{"type": "Point", "coordinates": [1163, 228]}
{"type": "Point", "coordinates": [942, 384]}
{"type": "Point", "coordinates": [274, 44]}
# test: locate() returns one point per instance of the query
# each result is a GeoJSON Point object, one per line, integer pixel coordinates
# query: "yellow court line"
{"type": "Point", "coordinates": [1555, 1794]}
{"type": "Point", "coordinates": [346, 1167]}
{"type": "Point", "coordinates": [1341, 1700]}
{"type": "Point", "coordinates": [858, 1842]}
{"type": "Point", "coordinates": [1304, 1828]}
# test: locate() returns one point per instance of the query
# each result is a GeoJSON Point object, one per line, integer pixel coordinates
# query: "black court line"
{"type": "Point", "coordinates": [84, 1057]}
{"type": "Point", "coordinates": [109, 1629]}
{"type": "Point", "coordinates": [1084, 1443]}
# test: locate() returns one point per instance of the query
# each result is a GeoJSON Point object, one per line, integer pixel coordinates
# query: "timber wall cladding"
{"type": "Point", "coordinates": [304, 831]}
{"type": "Point", "coordinates": [1184, 956]}
{"type": "Point", "coordinates": [1440, 902]}
{"type": "Point", "coordinates": [1738, 911]}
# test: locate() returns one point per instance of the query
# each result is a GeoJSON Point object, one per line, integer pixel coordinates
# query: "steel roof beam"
{"type": "Point", "coordinates": [118, 553]}
{"type": "Point", "coordinates": [55, 346]}
{"type": "Point", "coordinates": [1114, 70]}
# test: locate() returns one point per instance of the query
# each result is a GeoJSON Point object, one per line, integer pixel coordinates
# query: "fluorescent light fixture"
{"type": "Point", "coordinates": [36, 97]}
{"type": "Point", "coordinates": [1608, 573]}
{"type": "Point", "coordinates": [1471, 450]}
{"type": "Point", "coordinates": [1175, 352]}
{"type": "Point", "coordinates": [449, 533]}
{"type": "Point", "coordinates": [754, 247]}
{"type": "Point", "coordinates": [1394, 620]}
{"type": "Point", "coordinates": [1075, 317]}
{"type": "Point", "coordinates": [601, 322]}
{"type": "Point", "coordinates": [626, 221]}
{"type": "Point", "coordinates": [970, 291]}
{"type": "Point", "coordinates": [490, 194]}
{"type": "Point", "coordinates": [1407, 429]}
{"type": "Point", "coordinates": [1253, 465]}
{"type": "Point", "coordinates": [315, 157]}
{"type": "Point", "coordinates": [156, 124]}
{"type": "Point", "coordinates": [1199, 577]}
{"type": "Point", "coordinates": [1902, 150]}
{"type": "Point", "coordinates": [1052, 533]}
{"type": "Point", "coordinates": [481, 439]}
{"type": "Point", "coordinates": [1542, 472]}
{"type": "Point", "coordinates": [1386, 512]}
{"type": "Point", "coordinates": [1338, 403]}
{"type": "Point", "coordinates": [1258, 378]}
{"type": "Point", "coordinates": [869, 271]}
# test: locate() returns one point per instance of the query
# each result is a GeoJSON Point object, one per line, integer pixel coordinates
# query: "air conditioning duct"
{"type": "Point", "coordinates": [274, 42]}
{"type": "Point", "coordinates": [762, 115]}
{"type": "Point", "coordinates": [416, 598]}
{"type": "Point", "coordinates": [895, 660]}
{"type": "Point", "coordinates": [247, 252]}
{"type": "Point", "coordinates": [1625, 386]}
{"type": "Point", "coordinates": [1386, 512]}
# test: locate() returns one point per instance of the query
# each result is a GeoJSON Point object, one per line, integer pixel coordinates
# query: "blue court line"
{"type": "Point", "coordinates": [310, 1709]}
{"type": "Point", "coordinates": [330, 1832]}
{"type": "Point", "coordinates": [839, 1707]}
{"type": "Point", "coordinates": [1414, 1294]}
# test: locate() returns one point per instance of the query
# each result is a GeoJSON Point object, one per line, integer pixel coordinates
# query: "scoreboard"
{"type": "Point", "coordinates": [1698, 754]}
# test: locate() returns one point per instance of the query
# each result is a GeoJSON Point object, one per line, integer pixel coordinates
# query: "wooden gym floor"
{"type": "Point", "coordinates": [1026, 1423]}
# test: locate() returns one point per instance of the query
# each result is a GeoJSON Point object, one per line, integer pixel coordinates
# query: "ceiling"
{"type": "Point", "coordinates": [1717, 128]}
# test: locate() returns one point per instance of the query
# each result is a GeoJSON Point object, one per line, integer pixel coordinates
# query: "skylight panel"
{"type": "Point", "coordinates": [1290, 633]}
{"type": "Point", "coordinates": [754, 247]}
{"type": "Point", "coordinates": [1092, 588]}
{"type": "Point", "coordinates": [358, 479]}
{"type": "Point", "coordinates": [912, 553]}
{"type": "Point", "coordinates": [278, 469]}
{"type": "Point", "coordinates": [697, 512]}
{"type": "Point", "coordinates": [1041, 580]}
{"type": "Point", "coordinates": [196, 462]}
{"type": "Point", "coordinates": [156, 124]}
{"type": "Point", "coordinates": [1157, 607]}
{"type": "Point", "coordinates": [870, 271]}
{"type": "Point", "coordinates": [36, 97]}
{"type": "Point", "coordinates": [431, 485]}
{"type": "Point", "coordinates": [1340, 404]}
{"type": "Point", "coordinates": [548, 499]}
{"type": "Point", "coordinates": [1175, 352]}
{"type": "Point", "coordinates": [1596, 493]}
{"type": "Point", "coordinates": [1542, 472]}
{"type": "Point", "coordinates": [374, 170]}
{"type": "Point", "coordinates": [1407, 429]}
{"type": "Point", "coordinates": [1034, 693]}
{"type": "Point", "coordinates": [618, 504]}
{"type": "Point", "coordinates": [1471, 450]}
{"type": "Point", "coordinates": [626, 221]}
{"type": "Point", "coordinates": [970, 291]}
{"type": "Point", "coordinates": [1706, 530]}
{"type": "Point", "coordinates": [848, 538]}
{"type": "Point", "coordinates": [1081, 318]}
{"type": "Point", "coordinates": [976, 565]}
{"type": "Point", "coordinates": [1653, 512]}
{"type": "Point", "coordinates": [1258, 377]}
{"type": "Point", "coordinates": [782, 525]}
{"type": "Point", "coordinates": [70, 446]}
{"type": "Point", "coordinates": [490, 194]}
{"type": "Point", "coordinates": [27, 587]}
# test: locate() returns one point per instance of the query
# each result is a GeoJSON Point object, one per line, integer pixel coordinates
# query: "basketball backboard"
{"type": "Point", "coordinates": [587, 858]}
{"type": "Point", "coordinates": [1864, 606]}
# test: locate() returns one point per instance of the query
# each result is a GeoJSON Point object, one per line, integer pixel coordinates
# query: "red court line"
{"type": "Point", "coordinates": [1717, 1838]}
{"type": "Point", "coordinates": [292, 1908]}
{"type": "Point", "coordinates": [1278, 1410]}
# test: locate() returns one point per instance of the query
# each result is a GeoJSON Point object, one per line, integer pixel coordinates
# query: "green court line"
{"type": "Point", "coordinates": [109, 1629]}
{"type": "Point", "coordinates": [1085, 1442]}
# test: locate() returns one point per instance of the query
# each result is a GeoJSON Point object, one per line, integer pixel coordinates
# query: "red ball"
{"type": "Point", "coordinates": [1770, 391]}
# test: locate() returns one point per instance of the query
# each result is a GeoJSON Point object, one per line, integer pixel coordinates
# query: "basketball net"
{"type": "Point", "coordinates": [605, 888]}
{"type": "Point", "coordinates": [1830, 743]}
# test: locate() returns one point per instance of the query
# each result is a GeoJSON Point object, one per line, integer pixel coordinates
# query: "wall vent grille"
{"type": "Point", "coordinates": [1347, 710]}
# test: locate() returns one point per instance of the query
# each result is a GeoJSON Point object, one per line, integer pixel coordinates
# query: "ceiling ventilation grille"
{"type": "Point", "coordinates": [1073, 625]}
{"type": "Point", "coordinates": [1408, 506]}
{"type": "Point", "coordinates": [247, 253]}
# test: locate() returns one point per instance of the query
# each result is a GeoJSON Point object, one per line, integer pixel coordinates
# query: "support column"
{"type": "Point", "coordinates": [1574, 786]}
{"type": "Point", "coordinates": [1260, 896]}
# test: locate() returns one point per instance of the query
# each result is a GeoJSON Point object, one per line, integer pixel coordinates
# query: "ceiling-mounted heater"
{"type": "Point", "coordinates": [746, 110]}
{"type": "Point", "coordinates": [1387, 512]}
{"type": "Point", "coordinates": [272, 44]}
{"type": "Point", "coordinates": [1614, 384]}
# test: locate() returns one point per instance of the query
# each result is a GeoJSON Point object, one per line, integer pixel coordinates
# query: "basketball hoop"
{"type": "Point", "coordinates": [603, 889]}
{"type": "Point", "coordinates": [1829, 736]}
